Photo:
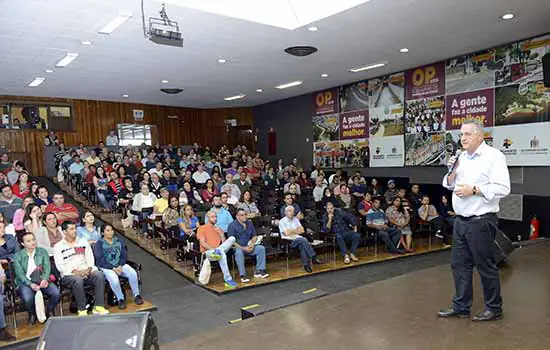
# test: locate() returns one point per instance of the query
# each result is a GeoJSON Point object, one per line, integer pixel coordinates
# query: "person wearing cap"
{"type": "Point", "coordinates": [391, 193]}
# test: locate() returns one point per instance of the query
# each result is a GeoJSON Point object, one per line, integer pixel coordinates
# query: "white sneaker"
{"type": "Point", "coordinates": [261, 274]}
{"type": "Point", "coordinates": [346, 259]}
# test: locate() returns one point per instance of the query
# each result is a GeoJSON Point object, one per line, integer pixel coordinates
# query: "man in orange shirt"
{"type": "Point", "coordinates": [214, 246]}
{"type": "Point", "coordinates": [63, 211]}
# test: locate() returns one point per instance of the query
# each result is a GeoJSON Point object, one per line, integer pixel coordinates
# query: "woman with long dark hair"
{"type": "Point", "coordinates": [247, 204]}
{"type": "Point", "coordinates": [399, 218]}
{"type": "Point", "coordinates": [209, 191]}
{"type": "Point", "coordinates": [101, 185]}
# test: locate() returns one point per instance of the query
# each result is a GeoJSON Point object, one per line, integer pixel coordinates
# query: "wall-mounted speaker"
{"type": "Point", "coordinates": [118, 331]}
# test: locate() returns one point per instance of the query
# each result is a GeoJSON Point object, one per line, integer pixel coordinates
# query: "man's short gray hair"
{"type": "Point", "coordinates": [476, 123]}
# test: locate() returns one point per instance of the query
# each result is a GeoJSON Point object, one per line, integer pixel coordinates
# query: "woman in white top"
{"type": "Point", "coordinates": [143, 204]}
{"type": "Point", "coordinates": [31, 221]}
{"type": "Point", "coordinates": [49, 234]}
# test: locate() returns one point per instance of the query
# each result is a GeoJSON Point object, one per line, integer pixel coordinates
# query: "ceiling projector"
{"type": "Point", "coordinates": [163, 31]}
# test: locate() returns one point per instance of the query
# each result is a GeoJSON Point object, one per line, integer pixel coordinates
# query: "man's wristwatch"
{"type": "Point", "coordinates": [474, 190]}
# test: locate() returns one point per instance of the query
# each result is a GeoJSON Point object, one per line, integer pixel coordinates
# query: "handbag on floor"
{"type": "Point", "coordinates": [206, 271]}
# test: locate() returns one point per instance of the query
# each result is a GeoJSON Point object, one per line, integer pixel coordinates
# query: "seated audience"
{"type": "Point", "coordinates": [291, 229]}
{"type": "Point", "coordinates": [93, 159]}
{"type": "Point", "coordinates": [344, 226]}
{"type": "Point", "coordinates": [294, 183]}
{"type": "Point", "coordinates": [188, 223]}
{"type": "Point", "coordinates": [188, 195]}
{"type": "Point", "coordinates": [43, 197]}
{"type": "Point", "coordinates": [209, 191]}
{"type": "Point", "coordinates": [142, 206]}
{"type": "Point", "coordinates": [377, 220]}
{"type": "Point", "coordinates": [399, 218]}
{"type": "Point", "coordinates": [428, 213]}
{"type": "Point", "coordinates": [200, 176]}
{"type": "Point", "coordinates": [358, 189]}
{"type": "Point", "coordinates": [365, 205]}
{"type": "Point", "coordinates": [344, 198]}
{"type": "Point", "coordinates": [270, 179]}
{"type": "Point", "coordinates": [63, 211]}
{"type": "Point", "coordinates": [449, 216]}
{"type": "Point", "coordinates": [74, 259]}
{"type": "Point", "coordinates": [110, 256]}
{"type": "Point", "coordinates": [116, 183]}
{"type": "Point", "coordinates": [155, 185]}
{"type": "Point", "coordinates": [416, 199]}
{"type": "Point", "coordinates": [13, 175]}
{"type": "Point", "coordinates": [328, 198]}
{"type": "Point", "coordinates": [9, 204]}
{"type": "Point", "coordinates": [230, 187]}
{"type": "Point", "coordinates": [243, 183]}
{"type": "Point", "coordinates": [288, 200]}
{"type": "Point", "coordinates": [229, 203]}
{"type": "Point", "coordinates": [223, 215]}
{"type": "Point", "coordinates": [246, 243]}
{"type": "Point", "coordinates": [4, 334]}
{"type": "Point", "coordinates": [319, 189]}
{"type": "Point", "coordinates": [160, 204]}
{"type": "Point", "coordinates": [31, 220]}
{"type": "Point", "coordinates": [171, 215]}
{"type": "Point", "coordinates": [248, 205]}
{"type": "Point", "coordinates": [50, 233]}
{"type": "Point", "coordinates": [213, 243]}
{"type": "Point", "coordinates": [304, 181]}
{"type": "Point", "coordinates": [88, 231]}
{"type": "Point", "coordinates": [19, 216]}
{"type": "Point", "coordinates": [32, 275]}
{"type": "Point", "coordinates": [22, 188]}
{"type": "Point", "coordinates": [391, 192]}
{"type": "Point", "coordinates": [8, 245]}
{"type": "Point", "coordinates": [405, 203]}
{"type": "Point", "coordinates": [76, 166]}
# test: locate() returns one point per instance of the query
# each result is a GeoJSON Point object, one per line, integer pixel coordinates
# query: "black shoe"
{"type": "Point", "coordinates": [138, 300]}
{"type": "Point", "coordinates": [449, 313]}
{"type": "Point", "coordinates": [122, 304]}
{"type": "Point", "coordinates": [487, 316]}
{"type": "Point", "coordinates": [6, 336]}
{"type": "Point", "coordinates": [317, 261]}
{"type": "Point", "coordinates": [32, 320]}
{"type": "Point", "coordinates": [50, 314]}
{"type": "Point", "coordinates": [308, 269]}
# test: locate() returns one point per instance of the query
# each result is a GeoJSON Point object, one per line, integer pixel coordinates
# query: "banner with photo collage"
{"type": "Point", "coordinates": [413, 118]}
{"type": "Point", "coordinates": [341, 126]}
{"type": "Point", "coordinates": [386, 105]}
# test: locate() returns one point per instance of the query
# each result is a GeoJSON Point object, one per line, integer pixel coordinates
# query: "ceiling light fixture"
{"type": "Point", "coordinates": [48, 71]}
{"type": "Point", "coordinates": [115, 23]}
{"type": "Point", "coordinates": [287, 85]}
{"type": "Point", "coordinates": [125, 96]}
{"type": "Point", "coordinates": [222, 60]}
{"type": "Point", "coordinates": [313, 29]}
{"type": "Point", "coordinates": [65, 61]}
{"type": "Point", "coordinates": [236, 97]}
{"type": "Point", "coordinates": [86, 42]}
{"type": "Point", "coordinates": [36, 82]}
{"type": "Point", "coordinates": [508, 16]}
{"type": "Point", "coordinates": [367, 67]}
{"type": "Point", "coordinates": [324, 75]}
{"type": "Point", "coordinates": [259, 90]}
{"type": "Point", "coordinates": [404, 50]}
{"type": "Point", "coordinates": [164, 81]}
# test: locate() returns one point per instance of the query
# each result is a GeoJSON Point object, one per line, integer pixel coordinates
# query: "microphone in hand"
{"type": "Point", "coordinates": [453, 162]}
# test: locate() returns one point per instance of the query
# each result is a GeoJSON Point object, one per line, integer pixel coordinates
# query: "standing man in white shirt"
{"type": "Point", "coordinates": [478, 181]}
{"type": "Point", "coordinates": [112, 139]}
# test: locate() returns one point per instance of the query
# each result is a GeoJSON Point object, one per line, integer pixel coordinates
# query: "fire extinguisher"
{"type": "Point", "coordinates": [535, 226]}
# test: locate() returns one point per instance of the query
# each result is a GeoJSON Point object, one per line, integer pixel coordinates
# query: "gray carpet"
{"type": "Point", "coordinates": [185, 309]}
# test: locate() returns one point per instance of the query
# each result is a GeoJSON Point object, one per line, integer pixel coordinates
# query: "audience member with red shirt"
{"type": "Point", "coordinates": [22, 187]}
{"type": "Point", "coordinates": [63, 211]}
{"type": "Point", "coordinates": [365, 205]}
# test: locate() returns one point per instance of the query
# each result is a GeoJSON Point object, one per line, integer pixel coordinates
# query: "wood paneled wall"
{"type": "Point", "coordinates": [93, 120]}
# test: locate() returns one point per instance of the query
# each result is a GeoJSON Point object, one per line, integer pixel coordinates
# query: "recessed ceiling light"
{"type": "Point", "coordinates": [236, 97]}
{"type": "Point", "coordinates": [404, 50]}
{"type": "Point", "coordinates": [115, 23]}
{"type": "Point", "coordinates": [65, 61]}
{"type": "Point", "coordinates": [222, 60]}
{"type": "Point", "coordinates": [367, 67]}
{"type": "Point", "coordinates": [86, 42]}
{"type": "Point", "coordinates": [48, 71]}
{"type": "Point", "coordinates": [125, 96]}
{"type": "Point", "coordinates": [36, 82]}
{"type": "Point", "coordinates": [164, 81]}
{"type": "Point", "coordinates": [324, 75]}
{"type": "Point", "coordinates": [259, 90]}
{"type": "Point", "coordinates": [287, 85]}
{"type": "Point", "coordinates": [313, 29]}
{"type": "Point", "coordinates": [508, 16]}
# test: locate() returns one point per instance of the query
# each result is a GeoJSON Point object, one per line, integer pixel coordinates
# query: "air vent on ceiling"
{"type": "Point", "coordinates": [300, 51]}
{"type": "Point", "coordinates": [171, 91]}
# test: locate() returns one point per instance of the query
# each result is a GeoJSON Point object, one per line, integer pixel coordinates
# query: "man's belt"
{"type": "Point", "coordinates": [477, 217]}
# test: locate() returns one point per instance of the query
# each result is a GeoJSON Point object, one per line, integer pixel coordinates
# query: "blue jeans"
{"type": "Point", "coordinates": [114, 282]}
{"type": "Point", "coordinates": [352, 236]}
{"type": "Point", "coordinates": [306, 250]}
{"type": "Point", "coordinates": [223, 248]}
{"type": "Point", "coordinates": [258, 252]}
{"type": "Point", "coordinates": [2, 319]}
{"type": "Point", "coordinates": [102, 198]}
{"type": "Point", "coordinates": [27, 295]}
{"type": "Point", "coordinates": [391, 238]}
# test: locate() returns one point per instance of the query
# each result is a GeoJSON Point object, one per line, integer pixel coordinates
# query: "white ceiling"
{"type": "Point", "coordinates": [35, 34]}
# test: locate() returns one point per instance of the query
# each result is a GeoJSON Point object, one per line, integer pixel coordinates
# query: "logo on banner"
{"type": "Point", "coordinates": [507, 143]}
{"type": "Point", "coordinates": [425, 81]}
{"type": "Point", "coordinates": [326, 102]}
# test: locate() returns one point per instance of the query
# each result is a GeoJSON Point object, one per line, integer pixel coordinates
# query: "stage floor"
{"type": "Point", "coordinates": [400, 313]}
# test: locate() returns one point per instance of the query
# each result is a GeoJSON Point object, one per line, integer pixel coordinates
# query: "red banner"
{"type": "Point", "coordinates": [425, 81]}
{"type": "Point", "coordinates": [326, 102]}
{"type": "Point", "coordinates": [354, 125]}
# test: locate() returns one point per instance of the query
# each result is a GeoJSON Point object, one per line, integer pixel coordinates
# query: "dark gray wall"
{"type": "Point", "coordinates": [291, 118]}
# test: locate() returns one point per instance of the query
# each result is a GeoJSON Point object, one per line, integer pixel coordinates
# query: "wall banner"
{"type": "Point", "coordinates": [326, 102]}
{"type": "Point", "coordinates": [354, 125]}
{"type": "Point", "coordinates": [524, 145]}
{"type": "Point", "coordinates": [425, 81]}
{"type": "Point", "coordinates": [477, 105]}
